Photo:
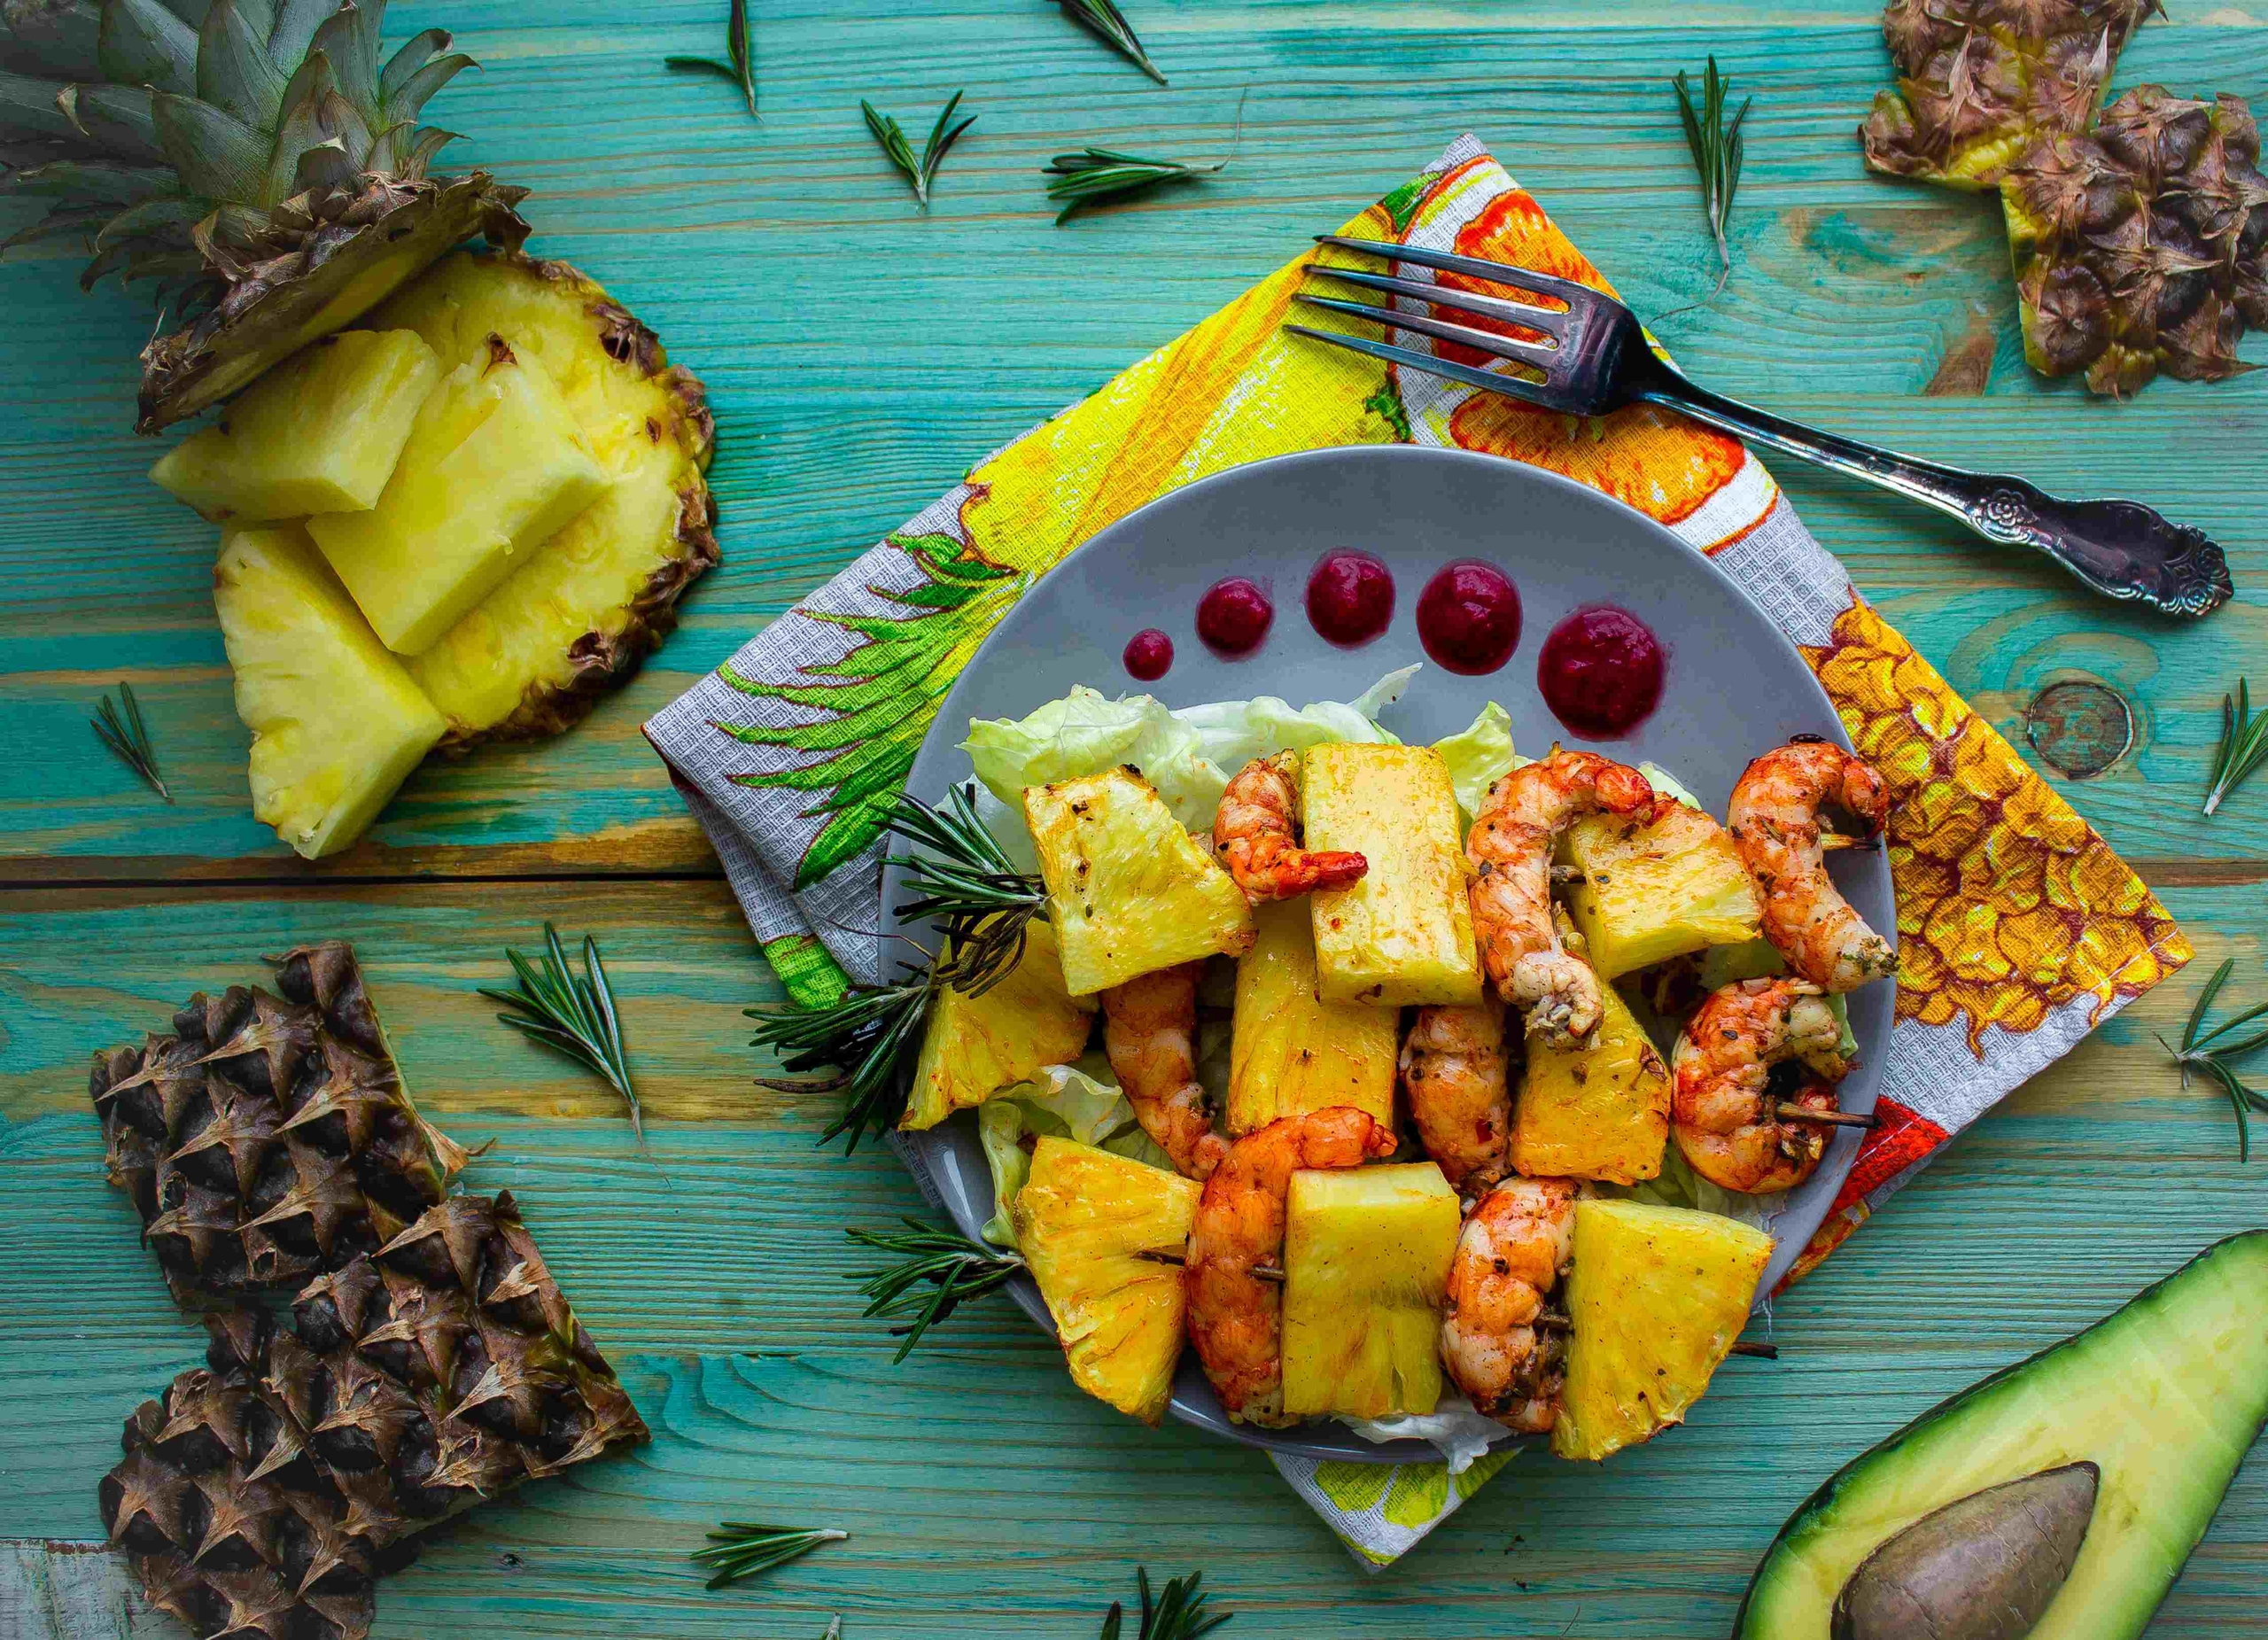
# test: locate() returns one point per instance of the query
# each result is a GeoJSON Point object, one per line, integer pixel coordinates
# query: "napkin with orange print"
{"type": "Point", "coordinates": [2019, 931]}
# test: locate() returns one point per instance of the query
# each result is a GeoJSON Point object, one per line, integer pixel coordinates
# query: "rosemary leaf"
{"type": "Point", "coordinates": [2244, 745]}
{"type": "Point", "coordinates": [574, 1015]}
{"type": "Point", "coordinates": [2197, 1055]}
{"type": "Point", "coordinates": [743, 1548]}
{"type": "Point", "coordinates": [740, 44]}
{"type": "Point", "coordinates": [954, 1269]}
{"type": "Point", "coordinates": [1717, 149]}
{"type": "Point", "coordinates": [981, 903]}
{"type": "Point", "coordinates": [922, 171]}
{"type": "Point", "coordinates": [862, 1036]}
{"type": "Point", "coordinates": [1091, 173]}
{"type": "Point", "coordinates": [128, 738]}
{"type": "Point", "coordinates": [1179, 1612]}
{"type": "Point", "coordinates": [1107, 23]}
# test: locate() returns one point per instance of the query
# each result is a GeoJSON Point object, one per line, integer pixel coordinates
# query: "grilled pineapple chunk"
{"type": "Point", "coordinates": [1291, 1052]}
{"type": "Point", "coordinates": [1082, 1217]}
{"type": "Point", "coordinates": [1403, 932]}
{"type": "Point", "coordinates": [975, 1045]}
{"type": "Point", "coordinates": [1129, 891]}
{"type": "Point", "coordinates": [1594, 1110]}
{"type": "Point", "coordinates": [1366, 1271]}
{"type": "Point", "coordinates": [1658, 1295]}
{"type": "Point", "coordinates": [1651, 892]}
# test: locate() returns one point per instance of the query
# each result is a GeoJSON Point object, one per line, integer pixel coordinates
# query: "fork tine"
{"type": "Point", "coordinates": [1487, 341]}
{"type": "Point", "coordinates": [1550, 320]}
{"type": "Point", "coordinates": [1496, 273]}
{"type": "Point", "coordinates": [1533, 392]}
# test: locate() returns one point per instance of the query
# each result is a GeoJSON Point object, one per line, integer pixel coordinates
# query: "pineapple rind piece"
{"type": "Point", "coordinates": [975, 1045]}
{"type": "Point", "coordinates": [1366, 1271]}
{"type": "Point", "coordinates": [337, 724]}
{"type": "Point", "coordinates": [580, 616]}
{"type": "Point", "coordinates": [1402, 933]}
{"type": "Point", "coordinates": [1657, 1295]}
{"type": "Point", "coordinates": [1595, 1110]}
{"type": "Point", "coordinates": [321, 432]}
{"type": "Point", "coordinates": [1291, 1052]}
{"type": "Point", "coordinates": [1653, 892]}
{"type": "Point", "coordinates": [1129, 891]}
{"type": "Point", "coordinates": [1080, 1219]}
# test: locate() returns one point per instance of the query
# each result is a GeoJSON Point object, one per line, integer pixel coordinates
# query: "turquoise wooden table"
{"type": "Point", "coordinates": [858, 353]}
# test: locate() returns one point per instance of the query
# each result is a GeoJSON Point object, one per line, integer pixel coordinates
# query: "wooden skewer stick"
{"type": "Point", "coordinates": [1761, 1352]}
{"type": "Point", "coordinates": [1845, 840]}
{"type": "Point", "coordinates": [1260, 1272]}
{"type": "Point", "coordinates": [1826, 1119]}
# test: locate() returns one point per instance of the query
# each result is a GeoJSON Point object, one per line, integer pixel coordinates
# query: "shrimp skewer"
{"type": "Point", "coordinates": [1149, 1031]}
{"type": "Point", "coordinates": [1235, 1319]}
{"type": "Point", "coordinates": [1774, 819]}
{"type": "Point", "coordinates": [1454, 1066]}
{"type": "Point", "coordinates": [1257, 834]}
{"type": "Point", "coordinates": [1515, 1247]}
{"type": "Point", "coordinates": [1510, 848]}
{"type": "Point", "coordinates": [1728, 1122]}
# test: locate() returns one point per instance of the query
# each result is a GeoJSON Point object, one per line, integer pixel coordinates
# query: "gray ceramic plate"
{"type": "Point", "coordinates": [1734, 686]}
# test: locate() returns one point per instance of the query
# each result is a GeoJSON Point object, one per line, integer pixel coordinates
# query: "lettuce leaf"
{"type": "Point", "coordinates": [1079, 1102]}
{"type": "Point", "coordinates": [1480, 755]}
{"type": "Point", "coordinates": [1456, 1429]}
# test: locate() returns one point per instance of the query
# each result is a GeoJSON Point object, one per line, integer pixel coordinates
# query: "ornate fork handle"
{"type": "Point", "coordinates": [2121, 548]}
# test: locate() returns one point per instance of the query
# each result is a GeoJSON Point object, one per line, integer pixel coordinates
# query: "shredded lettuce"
{"type": "Point", "coordinates": [1680, 1186]}
{"type": "Point", "coordinates": [1479, 755]}
{"type": "Point", "coordinates": [1668, 785]}
{"type": "Point", "coordinates": [1079, 1102]}
{"type": "Point", "coordinates": [1456, 1429]}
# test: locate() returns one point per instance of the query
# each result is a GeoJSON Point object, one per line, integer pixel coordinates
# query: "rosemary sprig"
{"type": "Point", "coordinates": [743, 1548]}
{"type": "Point", "coordinates": [920, 172]}
{"type": "Point", "coordinates": [128, 738]}
{"type": "Point", "coordinates": [2197, 1054]}
{"type": "Point", "coordinates": [1178, 1613]}
{"type": "Point", "coordinates": [861, 1036]}
{"type": "Point", "coordinates": [574, 1015]}
{"type": "Point", "coordinates": [1717, 150]}
{"type": "Point", "coordinates": [1107, 23]}
{"type": "Point", "coordinates": [740, 45]}
{"type": "Point", "coordinates": [982, 902]}
{"type": "Point", "coordinates": [1093, 174]}
{"type": "Point", "coordinates": [2244, 745]}
{"type": "Point", "coordinates": [955, 1269]}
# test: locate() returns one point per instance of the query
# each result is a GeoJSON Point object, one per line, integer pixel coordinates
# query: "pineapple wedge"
{"type": "Point", "coordinates": [1080, 1219]}
{"type": "Point", "coordinates": [975, 1045]}
{"type": "Point", "coordinates": [1129, 891]}
{"type": "Point", "coordinates": [495, 466]}
{"type": "Point", "coordinates": [1598, 1110]}
{"type": "Point", "coordinates": [1652, 892]}
{"type": "Point", "coordinates": [1404, 933]}
{"type": "Point", "coordinates": [337, 726]}
{"type": "Point", "coordinates": [1658, 1295]}
{"type": "Point", "coordinates": [321, 432]}
{"type": "Point", "coordinates": [1291, 1052]}
{"type": "Point", "coordinates": [1366, 1271]}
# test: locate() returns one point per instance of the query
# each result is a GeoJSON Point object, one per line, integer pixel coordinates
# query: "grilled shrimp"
{"type": "Point", "coordinates": [1510, 848]}
{"type": "Point", "coordinates": [1149, 1026]}
{"type": "Point", "coordinates": [1512, 1251]}
{"type": "Point", "coordinates": [1773, 817]}
{"type": "Point", "coordinates": [1453, 1064]}
{"type": "Point", "coordinates": [1257, 834]}
{"type": "Point", "coordinates": [1236, 1320]}
{"type": "Point", "coordinates": [1729, 1124]}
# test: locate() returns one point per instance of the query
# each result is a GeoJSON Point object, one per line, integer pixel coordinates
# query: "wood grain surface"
{"type": "Point", "coordinates": [859, 355]}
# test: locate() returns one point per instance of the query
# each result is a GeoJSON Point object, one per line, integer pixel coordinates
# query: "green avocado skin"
{"type": "Point", "coordinates": [2068, 1371]}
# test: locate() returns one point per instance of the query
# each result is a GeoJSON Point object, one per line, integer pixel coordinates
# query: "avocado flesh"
{"type": "Point", "coordinates": [2164, 1396]}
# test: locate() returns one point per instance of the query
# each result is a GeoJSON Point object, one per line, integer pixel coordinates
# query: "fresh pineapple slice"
{"type": "Point", "coordinates": [1658, 1295]}
{"type": "Point", "coordinates": [1291, 1052]}
{"type": "Point", "coordinates": [494, 467]}
{"type": "Point", "coordinates": [337, 726]}
{"type": "Point", "coordinates": [1596, 1110]}
{"type": "Point", "coordinates": [977, 1045]}
{"type": "Point", "coordinates": [1403, 932]}
{"type": "Point", "coordinates": [320, 432]}
{"type": "Point", "coordinates": [593, 602]}
{"type": "Point", "coordinates": [1129, 891]}
{"type": "Point", "coordinates": [1652, 892]}
{"type": "Point", "coordinates": [1082, 1219]}
{"type": "Point", "coordinates": [1366, 1271]}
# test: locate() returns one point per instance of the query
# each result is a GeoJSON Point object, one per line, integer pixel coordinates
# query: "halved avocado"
{"type": "Point", "coordinates": [2163, 1397]}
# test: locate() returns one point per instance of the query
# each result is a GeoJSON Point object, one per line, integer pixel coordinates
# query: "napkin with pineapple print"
{"type": "Point", "coordinates": [2019, 931]}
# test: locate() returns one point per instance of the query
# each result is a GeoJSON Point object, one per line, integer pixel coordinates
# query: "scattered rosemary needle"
{"type": "Point", "coordinates": [1093, 174]}
{"type": "Point", "coordinates": [574, 1015]}
{"type": "Point", "coordinates": [920, 172]}
{"type": "Point", "coordinates": [1107, 23]}
{"type": "Point", "coordinates": [955, 1268]}
{"type": "Point", "coordinates": [2197, 1054]}
{"type": "Point", "coordinates": [740, 44]}
{"type": "Point", "coordinates": [743, 1548]}
{"type": "Point", "coordinates": [981, 903]}
{"type": "Point", "coordinates": [1179, 1612]}
{"type": "Point", "coordinates": [2244, 745]}
{"type": "Point", "coordinates": [128, 739]}
{"type": "Point", "coordinates": [1717, 150]}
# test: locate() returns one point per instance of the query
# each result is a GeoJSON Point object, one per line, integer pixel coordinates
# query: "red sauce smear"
{"type": "Point", "coordinates": [1601, 672]}
{"type": "Point", "coordinates": [1149, 656]}
{"type": "Point", "coordinates": [1469, 618]}
{"type": "Point", "coordinates": [1350, 597]}
{"type": "Point", "coordinates": [1234, 617]}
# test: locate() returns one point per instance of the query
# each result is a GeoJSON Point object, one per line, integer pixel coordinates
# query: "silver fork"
{"type": "Point", "coordinates": [1593, 358]}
